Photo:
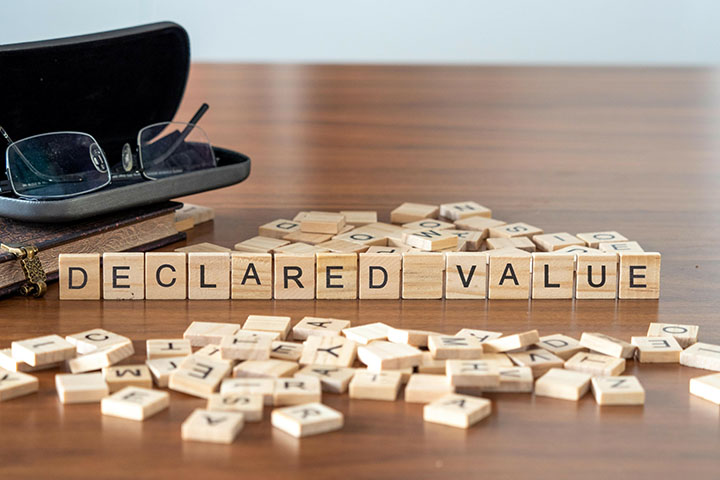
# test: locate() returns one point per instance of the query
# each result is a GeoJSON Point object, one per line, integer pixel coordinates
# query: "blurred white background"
{"type": "Point", "coordinates": [646, 32]}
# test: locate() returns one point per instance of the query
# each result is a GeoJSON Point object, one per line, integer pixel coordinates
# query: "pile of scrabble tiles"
{"type": "Point", "coordinates": [453, 251]}
{"type": "Point", "coordinates": [239, 369]}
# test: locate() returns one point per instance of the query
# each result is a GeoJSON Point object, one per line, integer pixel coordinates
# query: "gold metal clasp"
{"type": "Point", "coordinates": [36, 280]}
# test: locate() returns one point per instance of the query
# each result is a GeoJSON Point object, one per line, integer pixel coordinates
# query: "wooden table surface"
{"type": "Point", "coordinates": [566, 149]}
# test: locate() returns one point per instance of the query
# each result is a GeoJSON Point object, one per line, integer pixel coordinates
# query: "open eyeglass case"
{"type": "Point", "coordinates": [109, 85]}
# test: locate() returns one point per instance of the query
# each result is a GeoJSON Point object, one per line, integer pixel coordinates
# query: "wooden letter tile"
{"type": "Point", "coordinates": [7, 362]}
{"type": "Point", "coordinates": [322, 222]}
{"type": "Point", "coordinates": [482, 335]}
{"type": "Point", "coordinates": [596, 275]}
{"type": "Point", "coordinates": [202, 247]}
{"type": "Point", "coordinates": [336, 276]}
{"type": "Point", "coordinates": [478, 224]}
{"type": "Point", "coordinates": [416, 338]}
{"type": "Point", "coordinates": [685, 335]}
{"type": "Point", "coordinates": [286, 350]}
{"type": "Point", "coordinates": [358, 218]}
{"type": "Point", "coordinates": [513, 380]}
{"type": "Point", "coordinates": [278, 228]}
{"type": "Point", "coordinates": [265, 369]}
{"type": "Point", "coordinates": [617, 247]}
{"type": "Point", "coordinates": [251, 276]}
{"type": "Point", "coordinates": [607, 345]}
{"type": "Point", "coordinates": [121, 376]}
{"type": "Point", "coordinates": [701, 355]}
{"type": "Point", "coordinates": [191, 215]}
{"type": "Point", "coordinates": [430, 240]}
{"type": "Point", "coordinates": [207, 333]}
{"type": "Point", "coordinates": [657, 349]}
{"type": "Point", "coordinates": [428, 364]}
{"type": "Point", "coordinates": [95, 339]}
{"type": "Point", "coordinates": [375, 386]}
{"type": "Point", "coordinates": [381, 355]}
{"type": "Point", "coordinates": [577, 249]}
{"type": "Point", "coordinates": [500, 359]}
{"type": "Point", "coordinates": [521, 243]}
{"type": "Point", "coordinates": [214, 352]}
{"type": "Point", "coordinates": [305, 238]}
{"type": "Point", "coordinates": [512, 342]}
{"type": "Point", "coordinates": [472, 373]}
{"type": "Point", "coordinates": [342, 246]}
{"type": "Point", "coordinates": [365, 334]}
{"type": "Point", "coordinates": [162, 348]}
{"type": "Point", "coordinates": [262, 386]}
{"type": "Point", "coordinates": [101, 358]}
{"type": "Point", "coordinates": [332, 379]}
{"type": "Point", "coordinates": [707, 387]}
{"type": "Point", "coordinates": [428, 224]}
{"type": "Point", "coordinates": [550, 242]}
{"type": "Point", "coordinates": [42, 350]}
{"type": "Point", "coordinates": [308, 419]}
{"type": "Point", "coordinates": [424, 388]}
{"type": "Point", "coordinates": [296, 391]}
{"type": "Point", "coordinates": [249, 404]}
{"type": "Point", "coordinates": [460, 210]}
{"type": "Point", "coordinates": [596, 364]}
{"type": "Point", "coordinates": [459, 411]}
{"type": "Point", "coordinates": [330, 327]}
{"type": "Point", "coordinates": [82, 388]}
{"type": "Point", "coordinates": [123, 276]}
{"type": "Point", "coordinates": [165, 276]}
{"type": "Point", "coordinates": [325, 350]}
{"type": "Point", "coordinates": [457, 347]}
{"type": "Point", "coordinates": [268, 323]}
{"type": "Point", "coordinates": [364, 236]}
{"type": "Point", "coordinates": [16, 384]}
{"type": "Point", "coordinates": [560, 345]}
{"type": "Point", "coordinates": [624, 390]}
{"type": "Point", "coordinates": [200, 377]}
{"type": "Point", "coordinates": [422, 275]}
{"type": "Point", "coordinates": [300, 248]}
{"type": "Point", "coordinates": [639, 275]}
{"type": "Point", "coordinates": [553, 275]}
{"type": "Point", "coordinates": [468, 240]}
{"type": "Point", "coordinates": [593, 239]}
{"type": "Point", "coordinates": [379, 275]}
{"type": "Point", "coordinates": [465, 275]}
{"type": "Point", "coordinates": [509, 274]}
{"type": "Point", "coordinates": [245, 345]}
{"type": "Point", "coordinates": [294, 276]}
{"type": "Point", "coordinates": [563, 384]}
{"type": "Point", "coordinates": [79, 276]}
{"type": "Point", "coordinates": [208, 276]}
{"type": "Point", "coordinates": [161, 368]}
{"type": "Point", "coordinates": [518, 229]}
{"type": "Point", "coordinates": [213, 427]}
{"type": "Point", "coordinates": [260, 245]}
{"type": "Point", "coordinates": [538, 359]}
{"type": "Point", "coordinates": [412, 212]}
{"type": "Point", "coordinates": [135, 403]}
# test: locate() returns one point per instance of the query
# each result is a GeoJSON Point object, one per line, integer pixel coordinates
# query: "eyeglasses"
{"type": "Point", "coordinates": [65, 164]}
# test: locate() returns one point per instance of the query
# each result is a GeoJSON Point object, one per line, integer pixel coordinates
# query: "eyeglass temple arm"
{"type": "Point", "coordinates": [183, 135]}
{"type": "Point", "coordinates": [29, 165]}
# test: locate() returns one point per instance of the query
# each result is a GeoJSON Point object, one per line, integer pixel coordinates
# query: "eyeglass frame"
{"type": "Point", "coordinates": [131, 162]}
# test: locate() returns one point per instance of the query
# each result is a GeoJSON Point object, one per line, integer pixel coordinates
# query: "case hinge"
{"type": "Point", "coordinates": [35, 278]}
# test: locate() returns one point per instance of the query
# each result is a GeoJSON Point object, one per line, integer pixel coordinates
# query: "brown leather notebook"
{"type": "Point", "coordinates": [140, 229]}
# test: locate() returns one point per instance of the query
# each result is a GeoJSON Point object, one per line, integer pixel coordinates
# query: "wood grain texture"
{"type": "Point", "coordinates": [565, 149]}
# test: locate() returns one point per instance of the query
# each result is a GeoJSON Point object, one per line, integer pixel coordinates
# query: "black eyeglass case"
{"type": "Point", "coordinates": [110, 85]}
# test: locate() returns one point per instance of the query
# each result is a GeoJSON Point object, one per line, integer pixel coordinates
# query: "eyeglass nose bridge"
{"type": "Point", "coordinates": [98, 158]}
